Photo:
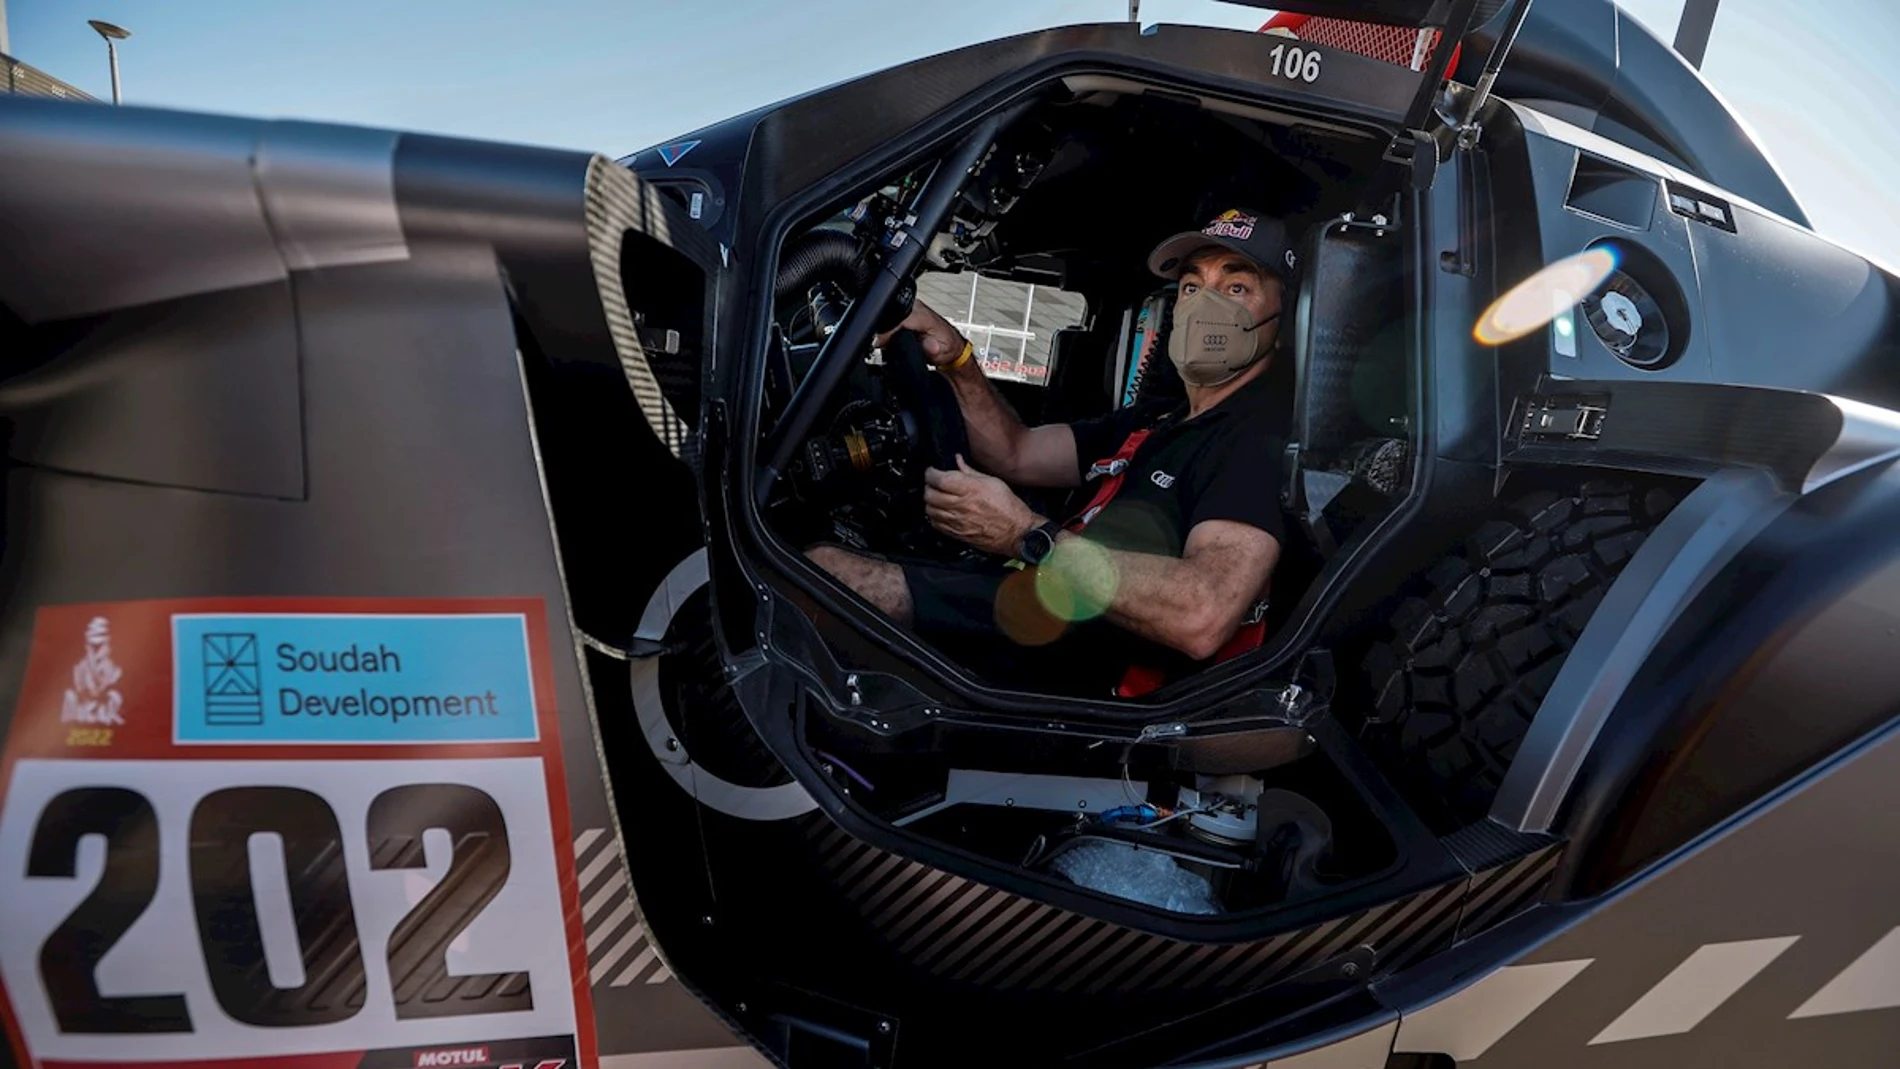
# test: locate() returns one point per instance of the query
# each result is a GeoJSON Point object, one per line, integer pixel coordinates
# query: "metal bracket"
{"type": "Point", "coordinates": [656, 339]}
{"type": "Point", "coordinates": [1568, 418]}
{"type": "Point", "coordinates": [1469, 130]}
{"type": "Point", "coordinates": [1419, 149]}
{"type": "Point", "coordinates": [1378, 223]}
{"type": "Point", "coordinates": [1156, 732]}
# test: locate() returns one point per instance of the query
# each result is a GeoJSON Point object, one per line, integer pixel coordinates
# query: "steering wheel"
{"type": "Point", "coordinates": [926, 394]}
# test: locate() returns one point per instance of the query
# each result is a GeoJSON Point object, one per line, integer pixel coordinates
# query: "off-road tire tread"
{"type": "Point", "coordinates": [1466, 660]}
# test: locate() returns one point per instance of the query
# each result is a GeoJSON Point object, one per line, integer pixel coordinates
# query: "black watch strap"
{"type": "Point", "coordinates": [1039, 541]}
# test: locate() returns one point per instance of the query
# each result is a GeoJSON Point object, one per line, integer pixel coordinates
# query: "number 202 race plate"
{"type": "Point", "coordinates": [296, 834]}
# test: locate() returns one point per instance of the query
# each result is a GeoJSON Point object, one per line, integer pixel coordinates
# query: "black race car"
{"type": "Point", "coordinates": [405, 580]}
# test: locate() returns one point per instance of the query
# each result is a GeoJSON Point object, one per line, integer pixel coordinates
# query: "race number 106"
{"type": "Point", "coordinates": [387, 908]}
{"type": "Point", "coordinates": [1295, 63]}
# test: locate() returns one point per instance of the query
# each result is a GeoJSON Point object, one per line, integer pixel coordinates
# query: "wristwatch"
{"type": "Point", "coordinates": [1040, 540]}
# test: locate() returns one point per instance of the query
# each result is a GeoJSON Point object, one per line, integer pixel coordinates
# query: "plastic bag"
{"type": "Point", "coordinates": [1138, 875]}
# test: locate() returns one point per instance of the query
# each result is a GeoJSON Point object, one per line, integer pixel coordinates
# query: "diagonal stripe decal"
{"type": "Point", "coordinates": [604, 964]}
{"type": "Point", "coordinates": [1470, 1022]}
{"type": "Point", "coordinates": [639, 966]}
{"type": "Point", "coordinates": [602, 861]}
{"type": "Point", "coordinates": [615, 887]}
{"type": "Point", "coordinates": [1872, 982]}
{"type": "Point", "coordinates": [600, 932]}
{"type": "Point", "coordinates": [584, 841]}
{"type": "Point", "coordinates": [1694, 989]}
{"type": "Point", "coordinates": [617, 943]}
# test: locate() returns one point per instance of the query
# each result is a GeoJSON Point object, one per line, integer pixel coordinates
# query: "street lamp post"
{"type": "Point", "coordinates": [112, 34]}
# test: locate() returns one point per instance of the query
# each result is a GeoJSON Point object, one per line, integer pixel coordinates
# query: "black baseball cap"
{"type": "Point", "coordinates": [1261, 238]}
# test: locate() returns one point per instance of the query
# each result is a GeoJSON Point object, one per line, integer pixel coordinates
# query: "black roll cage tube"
{"type": "Point", "coordinates": [906, 243]}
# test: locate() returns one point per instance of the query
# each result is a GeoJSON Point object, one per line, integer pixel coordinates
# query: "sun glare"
{"type": "Point", "coordinates": [1544, 296]}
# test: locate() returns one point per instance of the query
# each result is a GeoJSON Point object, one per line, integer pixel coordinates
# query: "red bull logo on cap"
{"type": "Point", "coordinates": [1231, 223]}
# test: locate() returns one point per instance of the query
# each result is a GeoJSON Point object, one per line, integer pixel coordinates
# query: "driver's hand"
{"type": "Point", "coordinates": [976, 508]}
{"type": "Point", "coordinates": [940, 340]}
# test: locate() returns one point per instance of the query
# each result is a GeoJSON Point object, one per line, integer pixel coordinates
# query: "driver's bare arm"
{"type": "Point", "coordinates": [999, 442]}
{"type": "Point", "coordinates": [1193, 603]}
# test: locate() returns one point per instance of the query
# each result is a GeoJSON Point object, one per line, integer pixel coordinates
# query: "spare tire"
{"type": "Point", "coordinates": [1464, 662]}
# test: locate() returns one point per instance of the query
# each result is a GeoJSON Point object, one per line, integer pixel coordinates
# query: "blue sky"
{"type": "Point", "coordinates": [1822, 94]}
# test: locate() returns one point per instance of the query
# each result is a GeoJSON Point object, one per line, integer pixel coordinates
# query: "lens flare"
{"type": "Point", "coordinates": [1544, 296]}
{"type": "Point", "coordinates": [1020, 615]}
{"type": "Point", "coordinates": [1036, 606]}
{"type": "Point", "coordinates": [1078, 581]}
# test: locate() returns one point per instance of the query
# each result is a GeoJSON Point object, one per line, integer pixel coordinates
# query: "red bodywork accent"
{"type": "Point", "coordinates": [1352, 42]}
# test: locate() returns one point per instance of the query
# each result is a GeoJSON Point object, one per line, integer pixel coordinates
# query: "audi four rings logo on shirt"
{"type": "Point", "coordinates": [1162, 479]}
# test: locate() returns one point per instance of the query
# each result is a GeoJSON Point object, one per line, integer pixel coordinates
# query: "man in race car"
{"type": "Point", "coordinates": [1166, 567]}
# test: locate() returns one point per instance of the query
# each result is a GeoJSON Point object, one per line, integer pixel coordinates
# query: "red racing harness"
{"type": "Point", "coordinates": [1141, 679]}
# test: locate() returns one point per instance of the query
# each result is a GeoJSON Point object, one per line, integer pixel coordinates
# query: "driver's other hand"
{"type": "Point", "coordinates": [975, 508]}
{"type": "Point", "coordinates": [940, 340]}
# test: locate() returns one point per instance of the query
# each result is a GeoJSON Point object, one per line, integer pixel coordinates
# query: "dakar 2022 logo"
{"type": "Point", "coordinates": [91, 706]}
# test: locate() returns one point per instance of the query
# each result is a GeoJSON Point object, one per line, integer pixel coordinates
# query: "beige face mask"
{"type": "Point", "coordinates": [1215, 338]}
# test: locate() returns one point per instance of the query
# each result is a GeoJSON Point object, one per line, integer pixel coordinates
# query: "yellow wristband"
{"type": "Point", "coordinates": [969, 350]}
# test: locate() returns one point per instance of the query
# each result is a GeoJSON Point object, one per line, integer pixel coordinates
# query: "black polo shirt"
{"type": "Point", "coordinates": [1224, 464]}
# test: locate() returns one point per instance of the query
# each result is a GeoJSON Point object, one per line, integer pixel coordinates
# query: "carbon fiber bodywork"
{"type": "Point", "coordinates": [990, 939]}
{"type": "Point", "coordinates": [982, 936]}
{"type": "Point", "coordinates": [1510, 872]}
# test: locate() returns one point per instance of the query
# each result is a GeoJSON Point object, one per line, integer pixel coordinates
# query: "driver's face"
{"type": "Point", "coordinates": [1235, 276]}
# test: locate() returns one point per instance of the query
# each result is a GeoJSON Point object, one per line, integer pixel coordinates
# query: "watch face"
{"type": "Point", "coordinates": [1036, 545]}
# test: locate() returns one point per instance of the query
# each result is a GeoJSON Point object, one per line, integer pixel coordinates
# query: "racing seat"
{"type": "Point", "coordinates": [1348, 448]}
{"type": "Point", "coordinates": [1148, 375]}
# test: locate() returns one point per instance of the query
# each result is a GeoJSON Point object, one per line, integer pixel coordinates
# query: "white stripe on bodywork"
{"type": "Point", "coordinates": [632, 972]}
{"type": "Point", "coordinates": [586, 840]}
{"type": "Point", "coordinates": [602, 924]}
{"type": "Point", "coordinates": [636, 936]}
{"type": "Point", "coordinates": [1470, 1022]}
{"type": "Point", "coordinates": [1694, 989]}
{"type": "Point", "coordinates": [616, 885]}
{"type": "Point", "coordinates": [594, 868]}
{"type": "Point", "coordinates": [1872, 982]}
{"type": "Point", "coordinates": [610, 925]}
